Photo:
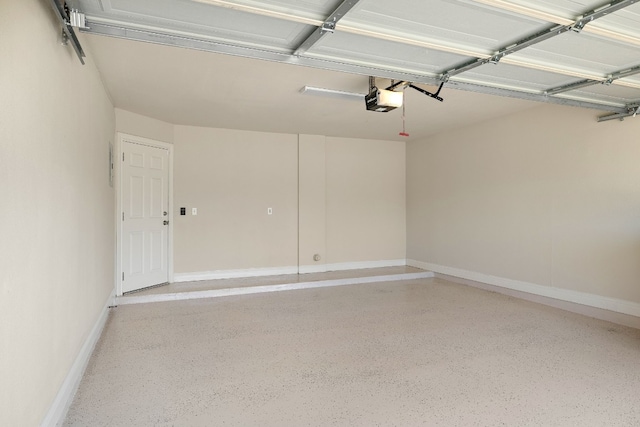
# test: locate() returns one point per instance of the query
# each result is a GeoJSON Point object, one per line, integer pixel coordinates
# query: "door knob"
{"type": "Point", "coordinates": [165, 213]}
{"type": "Point", "coordinates": [165, 222]}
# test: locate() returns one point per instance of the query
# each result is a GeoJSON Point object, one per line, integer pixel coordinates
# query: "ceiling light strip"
{"type": "Point", "coordinates": [338, 94]}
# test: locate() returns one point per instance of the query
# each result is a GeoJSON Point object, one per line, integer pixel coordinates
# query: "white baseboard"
{"type": "Point", "coordinates": [303, 269]}
{"type": "Point", "coordinates": [217, 293]}
{"type": "Point", "coordinates": [591, 300]}
{"type": "Point", "coordinates": [277, 271]}
{"type": "Point", "coordinates": [58, 410]}
{"type": "Point", "coordinates": [233, 274]}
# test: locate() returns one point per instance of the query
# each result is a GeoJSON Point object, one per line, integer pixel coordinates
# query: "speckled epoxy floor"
{"type": "Point", "coordinates": [422, 352]}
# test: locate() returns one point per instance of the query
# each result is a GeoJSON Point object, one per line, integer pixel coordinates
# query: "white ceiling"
{"type": "Point", "coordinates": [234, 66]}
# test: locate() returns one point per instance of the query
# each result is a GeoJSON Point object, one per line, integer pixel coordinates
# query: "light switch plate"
{"type": "Point", "coordinates": [194, 211]}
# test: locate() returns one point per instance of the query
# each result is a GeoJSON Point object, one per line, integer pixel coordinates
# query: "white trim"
{"type": "Point", "coordinates": [60, 406]}
{"type": "Point", "coordinates": [217, 293]}
{"type": "Point", "coordinates": [120, 137]}
{"type": "Point", "coordinates": [233, 274]}
{"type": "Point", "coordinates": [359, 265]}
{"type": "Point", "coordinates": [577, 297]}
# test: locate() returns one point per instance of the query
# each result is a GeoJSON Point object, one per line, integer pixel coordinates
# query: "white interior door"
{"type": "Point", "coordinates": [145, 216]}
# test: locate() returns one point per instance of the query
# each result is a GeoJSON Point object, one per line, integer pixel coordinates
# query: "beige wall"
{"type": "Point", "coordinates": [352, 200]}
{"type": "Point", "coordinates": [341, 198]}
{"type": "Point", "coordinates": [548, 196]}
{"type": "Point", "coordinates": [366, 209]}
{"type": "Point", "coordinates": [232, 177]}
{"type": "Point", "coordinates": [146, 127]}
{"type": "Point", "coordinates": [56, 224]}
{"type": "Point", "coordinates": [312, 199]}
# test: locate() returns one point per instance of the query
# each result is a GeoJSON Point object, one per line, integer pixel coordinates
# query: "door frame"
{"type": "Point", "coordinates": [121, 138]}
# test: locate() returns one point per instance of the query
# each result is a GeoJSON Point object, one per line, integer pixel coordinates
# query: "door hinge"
{"type": "Point", "coordinates": [123, 276]}
{"type": "Point", "coordinates": [123, 216]}
{"type": "Point", "coordinates": [123, 157]}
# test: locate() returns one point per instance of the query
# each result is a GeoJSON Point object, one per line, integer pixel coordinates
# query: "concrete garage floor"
{"type": "Point", "coordinates": [417, 352]}
{"type": "Point", "coordinates": [202, 285]}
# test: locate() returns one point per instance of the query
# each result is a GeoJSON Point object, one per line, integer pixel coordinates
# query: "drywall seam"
{"type": "Point", "coordinates": [577, 297]}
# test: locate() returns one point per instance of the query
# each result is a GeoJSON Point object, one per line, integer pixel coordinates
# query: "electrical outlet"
{"type": "Point", "coordinates": [194, 211]}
